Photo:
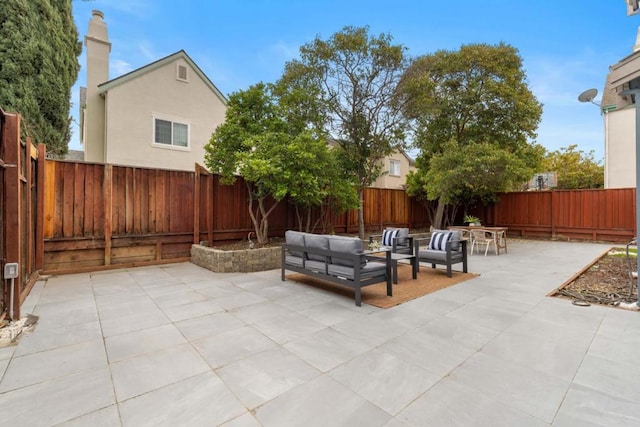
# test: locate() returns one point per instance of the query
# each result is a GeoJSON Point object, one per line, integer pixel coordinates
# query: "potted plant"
{"type": "Point", "coordinates": [471, 220]}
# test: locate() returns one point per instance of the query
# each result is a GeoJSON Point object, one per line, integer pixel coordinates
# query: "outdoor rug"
{"type": "Point", "coordinates": [429, 280]}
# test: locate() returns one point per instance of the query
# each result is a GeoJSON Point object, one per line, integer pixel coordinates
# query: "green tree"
{"type": "Point", "coordinates": [474, 118]}
{"type": "Point", "coordinates": [318, 182]}
{"type": "Point", "coordinates": [270, 145]}
{"type": "Point", "coordinates": [352, 77]}
{"type": "Point", "coordinates": [39, 48]}
{"type": "Point", "coordinates": [575, 169]}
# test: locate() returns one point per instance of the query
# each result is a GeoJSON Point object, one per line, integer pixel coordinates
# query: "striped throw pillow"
{"type": "Point", "coordinates": [388, 236]}
{"type": "Point", "coordinates": [439, 240]}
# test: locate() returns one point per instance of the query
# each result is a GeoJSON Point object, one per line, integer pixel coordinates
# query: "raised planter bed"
{"type": "Point", "coordinates": [236, 261]}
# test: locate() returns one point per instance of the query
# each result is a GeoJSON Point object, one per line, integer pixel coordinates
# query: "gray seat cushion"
{"type": "Point", "coordinates": [438, 255]}
{"type": "Point", "coordinates": [293, 260]}
{"type": "Point", "coordinates": [373, 268]}
{"type": "Point", "coordinates": [315, 266]}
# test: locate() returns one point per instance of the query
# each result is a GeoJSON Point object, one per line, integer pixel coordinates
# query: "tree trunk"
{"type": "Point", "coordinates": [361, 213]}
{"type": "Point", "coordinates": [437, 221]}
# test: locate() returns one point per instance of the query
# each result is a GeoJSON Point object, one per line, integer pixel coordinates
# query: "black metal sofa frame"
{"type": "Point", "coordinates": [352, 269]}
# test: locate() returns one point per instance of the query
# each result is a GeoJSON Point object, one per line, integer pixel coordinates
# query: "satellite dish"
{"type": "Point", "coordinates": [588, 95]}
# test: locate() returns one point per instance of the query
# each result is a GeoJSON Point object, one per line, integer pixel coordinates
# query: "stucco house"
{"type": "Point", "coordinates": [619, 113]}
{"type": "Point", "coordinates": [395, 169]}
{"type": "Point", "coordinates": [159, 116]}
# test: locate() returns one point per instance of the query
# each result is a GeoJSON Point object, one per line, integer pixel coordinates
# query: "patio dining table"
{"type": "Point", "coordinates": [499, 234]}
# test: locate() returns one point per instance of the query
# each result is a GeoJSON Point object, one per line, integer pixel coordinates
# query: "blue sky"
{"type": "Point", "coordinates": [566, 46]}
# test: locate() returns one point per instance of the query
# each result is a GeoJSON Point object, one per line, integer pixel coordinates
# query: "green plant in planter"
{"type": "Point", "coordinates": [471, 220]}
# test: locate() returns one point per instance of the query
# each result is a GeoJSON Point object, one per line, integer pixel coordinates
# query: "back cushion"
{"type": "Point", "coordinates": [348, 245]}
{"type": "Point", "coordinates": [403, 233]}
{"type": "Point", "coordinates": [293, 237]}
{"type": "Point", "coordinates": [455, 240]}
{"type": "Point", "coordinates": [439, 239]}
{"type": "Point", "coordinates": [318, 242]}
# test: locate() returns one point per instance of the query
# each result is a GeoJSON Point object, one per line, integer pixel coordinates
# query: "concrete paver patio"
{"type": "Point", "coordinates": [180, 345]}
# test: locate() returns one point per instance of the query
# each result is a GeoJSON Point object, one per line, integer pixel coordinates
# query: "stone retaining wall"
{"type": "Point", "coordinates": [241, 261]}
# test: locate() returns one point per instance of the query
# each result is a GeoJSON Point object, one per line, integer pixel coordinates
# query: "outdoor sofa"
{"type": "Point", "coordinates": [446, 247]}
{"type": "Point", "coordinates": [338, 259]}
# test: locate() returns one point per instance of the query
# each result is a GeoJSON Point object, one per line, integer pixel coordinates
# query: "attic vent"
{"type": "Point", "coordinates": [182, 73]}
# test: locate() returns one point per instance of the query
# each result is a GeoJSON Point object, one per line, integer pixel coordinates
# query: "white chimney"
{"type": "Point", "coordinates": [98, 49]}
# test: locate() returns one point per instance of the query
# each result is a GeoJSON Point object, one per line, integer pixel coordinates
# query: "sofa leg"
{"type": "Point", "coordinates": [449, 273]}
{"type": "Point", "coordinates": [389, 287]}
{"type": "Point", "coordinates": [358, 296]}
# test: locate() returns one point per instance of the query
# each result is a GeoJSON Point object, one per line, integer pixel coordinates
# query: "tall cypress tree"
{"type": "Point", "coordinates": [39, 51]}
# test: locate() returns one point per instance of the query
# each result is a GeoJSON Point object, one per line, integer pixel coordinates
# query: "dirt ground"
{"type": "Point", "coordinates": [606, 282]}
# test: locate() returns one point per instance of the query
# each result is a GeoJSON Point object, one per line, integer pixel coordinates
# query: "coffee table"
{"type": "Point", "coordinates": [395, 257]}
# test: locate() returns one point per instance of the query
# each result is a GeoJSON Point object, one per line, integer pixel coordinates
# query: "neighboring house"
{"type": "Point", "coordinates": [158, 116]}
{"type": "Point", "coordinates": [619, 110]}
{"type": "Point", "coordinates": [395, 168]}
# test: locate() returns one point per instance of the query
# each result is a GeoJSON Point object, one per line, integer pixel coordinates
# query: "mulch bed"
{"type": "Point", "coordinates": [606, 282]}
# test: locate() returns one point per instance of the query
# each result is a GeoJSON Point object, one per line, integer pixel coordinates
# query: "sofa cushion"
{"type": "Point", "coordinates": [348, 245]}
{"type": "Point", "coordinates": [316, 241]}
{"type": "Point", "coordinates": [296, 238]}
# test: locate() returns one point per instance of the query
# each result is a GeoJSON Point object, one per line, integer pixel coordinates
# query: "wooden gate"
{"type": "Point", "coordinates": [20, 201]}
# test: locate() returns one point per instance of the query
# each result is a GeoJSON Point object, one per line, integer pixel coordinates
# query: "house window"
{"type": "Point", "coordinates": [394, 168]}
{"type": "Point", "coordinates": [171, 133]}
{"type": "Point", "coordinates": [181, 72]}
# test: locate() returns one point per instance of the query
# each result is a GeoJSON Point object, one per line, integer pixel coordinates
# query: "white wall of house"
{"type": "Point", "coordinates": [620, 148]}
{"type": "Point", "coordinates": [394, 176]}
{"type": "Point", "coordinates": [132, 107]}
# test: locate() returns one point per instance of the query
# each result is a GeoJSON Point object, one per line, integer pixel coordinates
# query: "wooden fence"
{"type": "Point", "coordinates": [20, 212]}
{"type": "Point", "coordinates": [599, 215]}
{"type": "Point", "coordinates": [104, 216]}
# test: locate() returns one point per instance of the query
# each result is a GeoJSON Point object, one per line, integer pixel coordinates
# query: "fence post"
{"type": "Point", "coordinates": [553, 222]}
{"type": "Point", "coordinates": [196, 205]}
{"type": "Point", "coordinates": [108, 211]}
{"type": "Point", "coordinates": [12, 211]}
{"type": "Point", "coordinates": [42, 154]}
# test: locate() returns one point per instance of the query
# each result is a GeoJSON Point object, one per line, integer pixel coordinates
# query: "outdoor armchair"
{"type": "Point", "coordinates": [445, 247]}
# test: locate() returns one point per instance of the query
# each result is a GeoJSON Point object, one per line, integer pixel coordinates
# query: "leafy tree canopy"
{"type": "Point", "coordinates": [575, 169]}
{"type": "Point", "coordinates": [474, 118]}
{"type": "Point", "coordinates": [40, 48]}
{"type": "Point", "coordinates": [269, 145]}
{"type": "Point", "coordinates": [352, 78]}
